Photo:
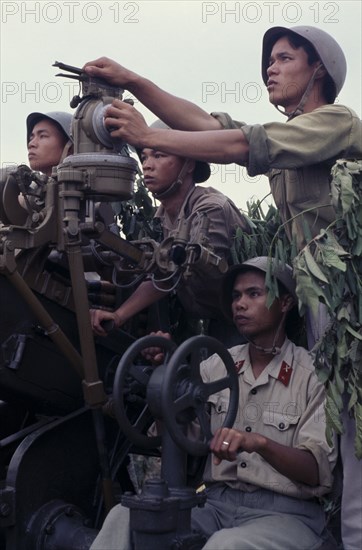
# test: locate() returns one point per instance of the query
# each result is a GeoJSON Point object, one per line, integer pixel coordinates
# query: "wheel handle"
{"type": "Point", "coordinates": [184, 394]}
{"type": "Point", "coordinates": [130, 384]}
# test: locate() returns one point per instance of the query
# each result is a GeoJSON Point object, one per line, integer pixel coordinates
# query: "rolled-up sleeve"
{"type": "Point", "coordinates": [329, 132]}
{"type": "Point", "coordinates": [259, 161]}
{"type": "Point", "coordinates": [310, 435]}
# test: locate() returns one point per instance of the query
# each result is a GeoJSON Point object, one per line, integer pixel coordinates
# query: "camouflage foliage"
{"type": "Point", "coordinates": [328, 270]}
{"type": "Point", "coordinates": [332, 261]}
{"type": "Point", "coordinates": [135, 216]}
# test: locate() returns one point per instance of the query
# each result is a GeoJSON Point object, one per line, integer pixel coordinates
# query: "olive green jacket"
{"type": "Point", "coordinates": [297, 156]}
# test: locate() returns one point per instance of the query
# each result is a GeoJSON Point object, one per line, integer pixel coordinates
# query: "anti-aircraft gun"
{"type": "Point", "coordinates": [62, 454]}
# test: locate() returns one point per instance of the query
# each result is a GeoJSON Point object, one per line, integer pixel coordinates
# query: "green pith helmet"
{"type": "Point", "coordinates": [328, 50]}
{"type": "Point", "coordinates": [283, 273]}
{"type": "Point", "coordinates": [63, 121]}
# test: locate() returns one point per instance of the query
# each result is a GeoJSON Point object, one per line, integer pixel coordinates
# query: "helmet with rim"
{"type": "Point", "coordinates": [62, 120]}
{"type": "Point", "coordinates": [327, 48]}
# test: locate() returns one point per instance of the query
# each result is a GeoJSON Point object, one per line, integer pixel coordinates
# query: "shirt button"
{"type": "Point", "coordinates": [243, 464]}
{"type": "Point", "coordinates": [281, 426]}
{"type": "Point", "coordinates": [254, 391]}
{"type": "Point", "coordinates": [248, 429]}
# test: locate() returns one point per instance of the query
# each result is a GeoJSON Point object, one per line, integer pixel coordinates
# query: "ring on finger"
{"type": "Point", "coordinates": [226, 443]}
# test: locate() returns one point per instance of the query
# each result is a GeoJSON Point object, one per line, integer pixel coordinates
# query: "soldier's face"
{"type": "Point", "coordinates": [251, 315]}
{"type": "Point", "coordinates": [45, 146]}
{"type": "Point", "coordinates": [160, 169]}
{"type": "Point", "coordinates": [288, 74]}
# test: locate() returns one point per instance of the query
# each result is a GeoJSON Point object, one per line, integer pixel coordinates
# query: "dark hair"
{"type": "Point", "coordinates": [297, 41]}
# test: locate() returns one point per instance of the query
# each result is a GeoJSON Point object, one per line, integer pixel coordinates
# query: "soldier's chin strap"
{"type": "Point", "coordinates": [174, 185]}
{"type": "Point", "coordinates": [299, 110]}
{"type": "Point", "coordinates": [67, 150]}
{"type": "Point", "coordinates": [274, 349]}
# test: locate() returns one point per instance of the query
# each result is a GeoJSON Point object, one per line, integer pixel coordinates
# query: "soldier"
{"type": "Point", "coordinates": [304, 69]}
{"type": "Point", "coordinates": [48, 139]}
{"type": "Point", "coordinates": [263, 476]}
{"type": "Point", "coordinates": [172, 180]}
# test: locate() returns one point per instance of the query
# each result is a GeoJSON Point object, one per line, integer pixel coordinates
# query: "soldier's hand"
{"type": "Point", "coordinates": [228, 442]}
{"type": "Point", "coordinates": [155, 354]}
{"type": "Point", "coordinates": [109, 70]}
{"type": "Point", "coordinates": [98, 319]}
{"type": "Point", "coordinates": [124, 122]}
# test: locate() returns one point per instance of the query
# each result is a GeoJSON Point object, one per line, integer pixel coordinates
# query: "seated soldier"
{"type": "Point", "coordinates": [265, 475]}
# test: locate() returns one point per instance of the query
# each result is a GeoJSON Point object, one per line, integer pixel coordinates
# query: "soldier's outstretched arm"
{"type": "Point", "coordinates": [221, 146]}
{"type": "Point", "coordinates": [178, 113]}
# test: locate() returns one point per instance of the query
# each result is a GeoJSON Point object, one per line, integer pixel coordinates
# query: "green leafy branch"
{"type": "Point", "coordinates": [329, 271]}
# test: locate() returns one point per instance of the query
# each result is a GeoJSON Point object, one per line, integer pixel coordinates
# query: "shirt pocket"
{"type": "Point", "coordinates": [299, 187]}
{"type": "Point", "coordinates": [276, 186]}
{"type": "Point", "coordinates": [219, 407]}
{"type": "Point", "coordinates": [280, 427]}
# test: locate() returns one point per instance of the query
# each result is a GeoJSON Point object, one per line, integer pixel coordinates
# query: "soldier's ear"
{"type": "Point", "coordinates": [287, 302]}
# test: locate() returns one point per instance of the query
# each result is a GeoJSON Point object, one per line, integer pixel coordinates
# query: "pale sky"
{"type": "Point", "coordinates": [207, 52]}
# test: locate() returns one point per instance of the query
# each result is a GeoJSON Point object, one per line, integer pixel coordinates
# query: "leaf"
{"type": "Point", "coordinates": [358, 438]}
{"type": "Point", "coordinates": [357, 247]}
{"type": "Point", "coordinates": [347, 193]}
{"type": "Point", "coordinates": [355, 354]}
{"type": "Point", "coordinates": [343, 313]}
{"type": "Point", "coordinates": [333, 420]}
{"type": "Point", "coordinates": [309, 292]}
{"type": "Point", "coordinates": [339, 382]}
{"type": "Point", "coordinates": [313, 266]}
{"type": "Point", "coordinates": [323, 375]}
{"type": "Point", "coordinates": [331, 251]}
{"type": "Point", "coordinates": [357, 335]}
{"type": "Point", "coordinates": [336, 396]}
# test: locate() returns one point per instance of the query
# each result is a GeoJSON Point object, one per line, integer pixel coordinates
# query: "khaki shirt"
{"type": "Point", "coordinates": [286, 404]}
{"type": "Point", "coordinates": [199, 294]}
{"type": "Point", "coordinates": [297, 156]}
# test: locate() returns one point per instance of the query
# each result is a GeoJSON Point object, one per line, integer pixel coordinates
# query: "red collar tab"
{"type": "Point", "coordinates": [285, 373]}
{"type": "Point", "coordinates": [239, 365]}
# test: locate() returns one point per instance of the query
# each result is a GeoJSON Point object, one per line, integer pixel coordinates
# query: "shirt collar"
{"type": "Point", "coordinates": [278, 366]}
{"type": "Point", "coordinates": [161, 212]}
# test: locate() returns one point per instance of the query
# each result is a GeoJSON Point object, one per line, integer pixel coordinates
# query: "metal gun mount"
{"type": "Point", "coordinates": [99, 164]}
{"type": "Point", "coordinates": [50, 362]}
